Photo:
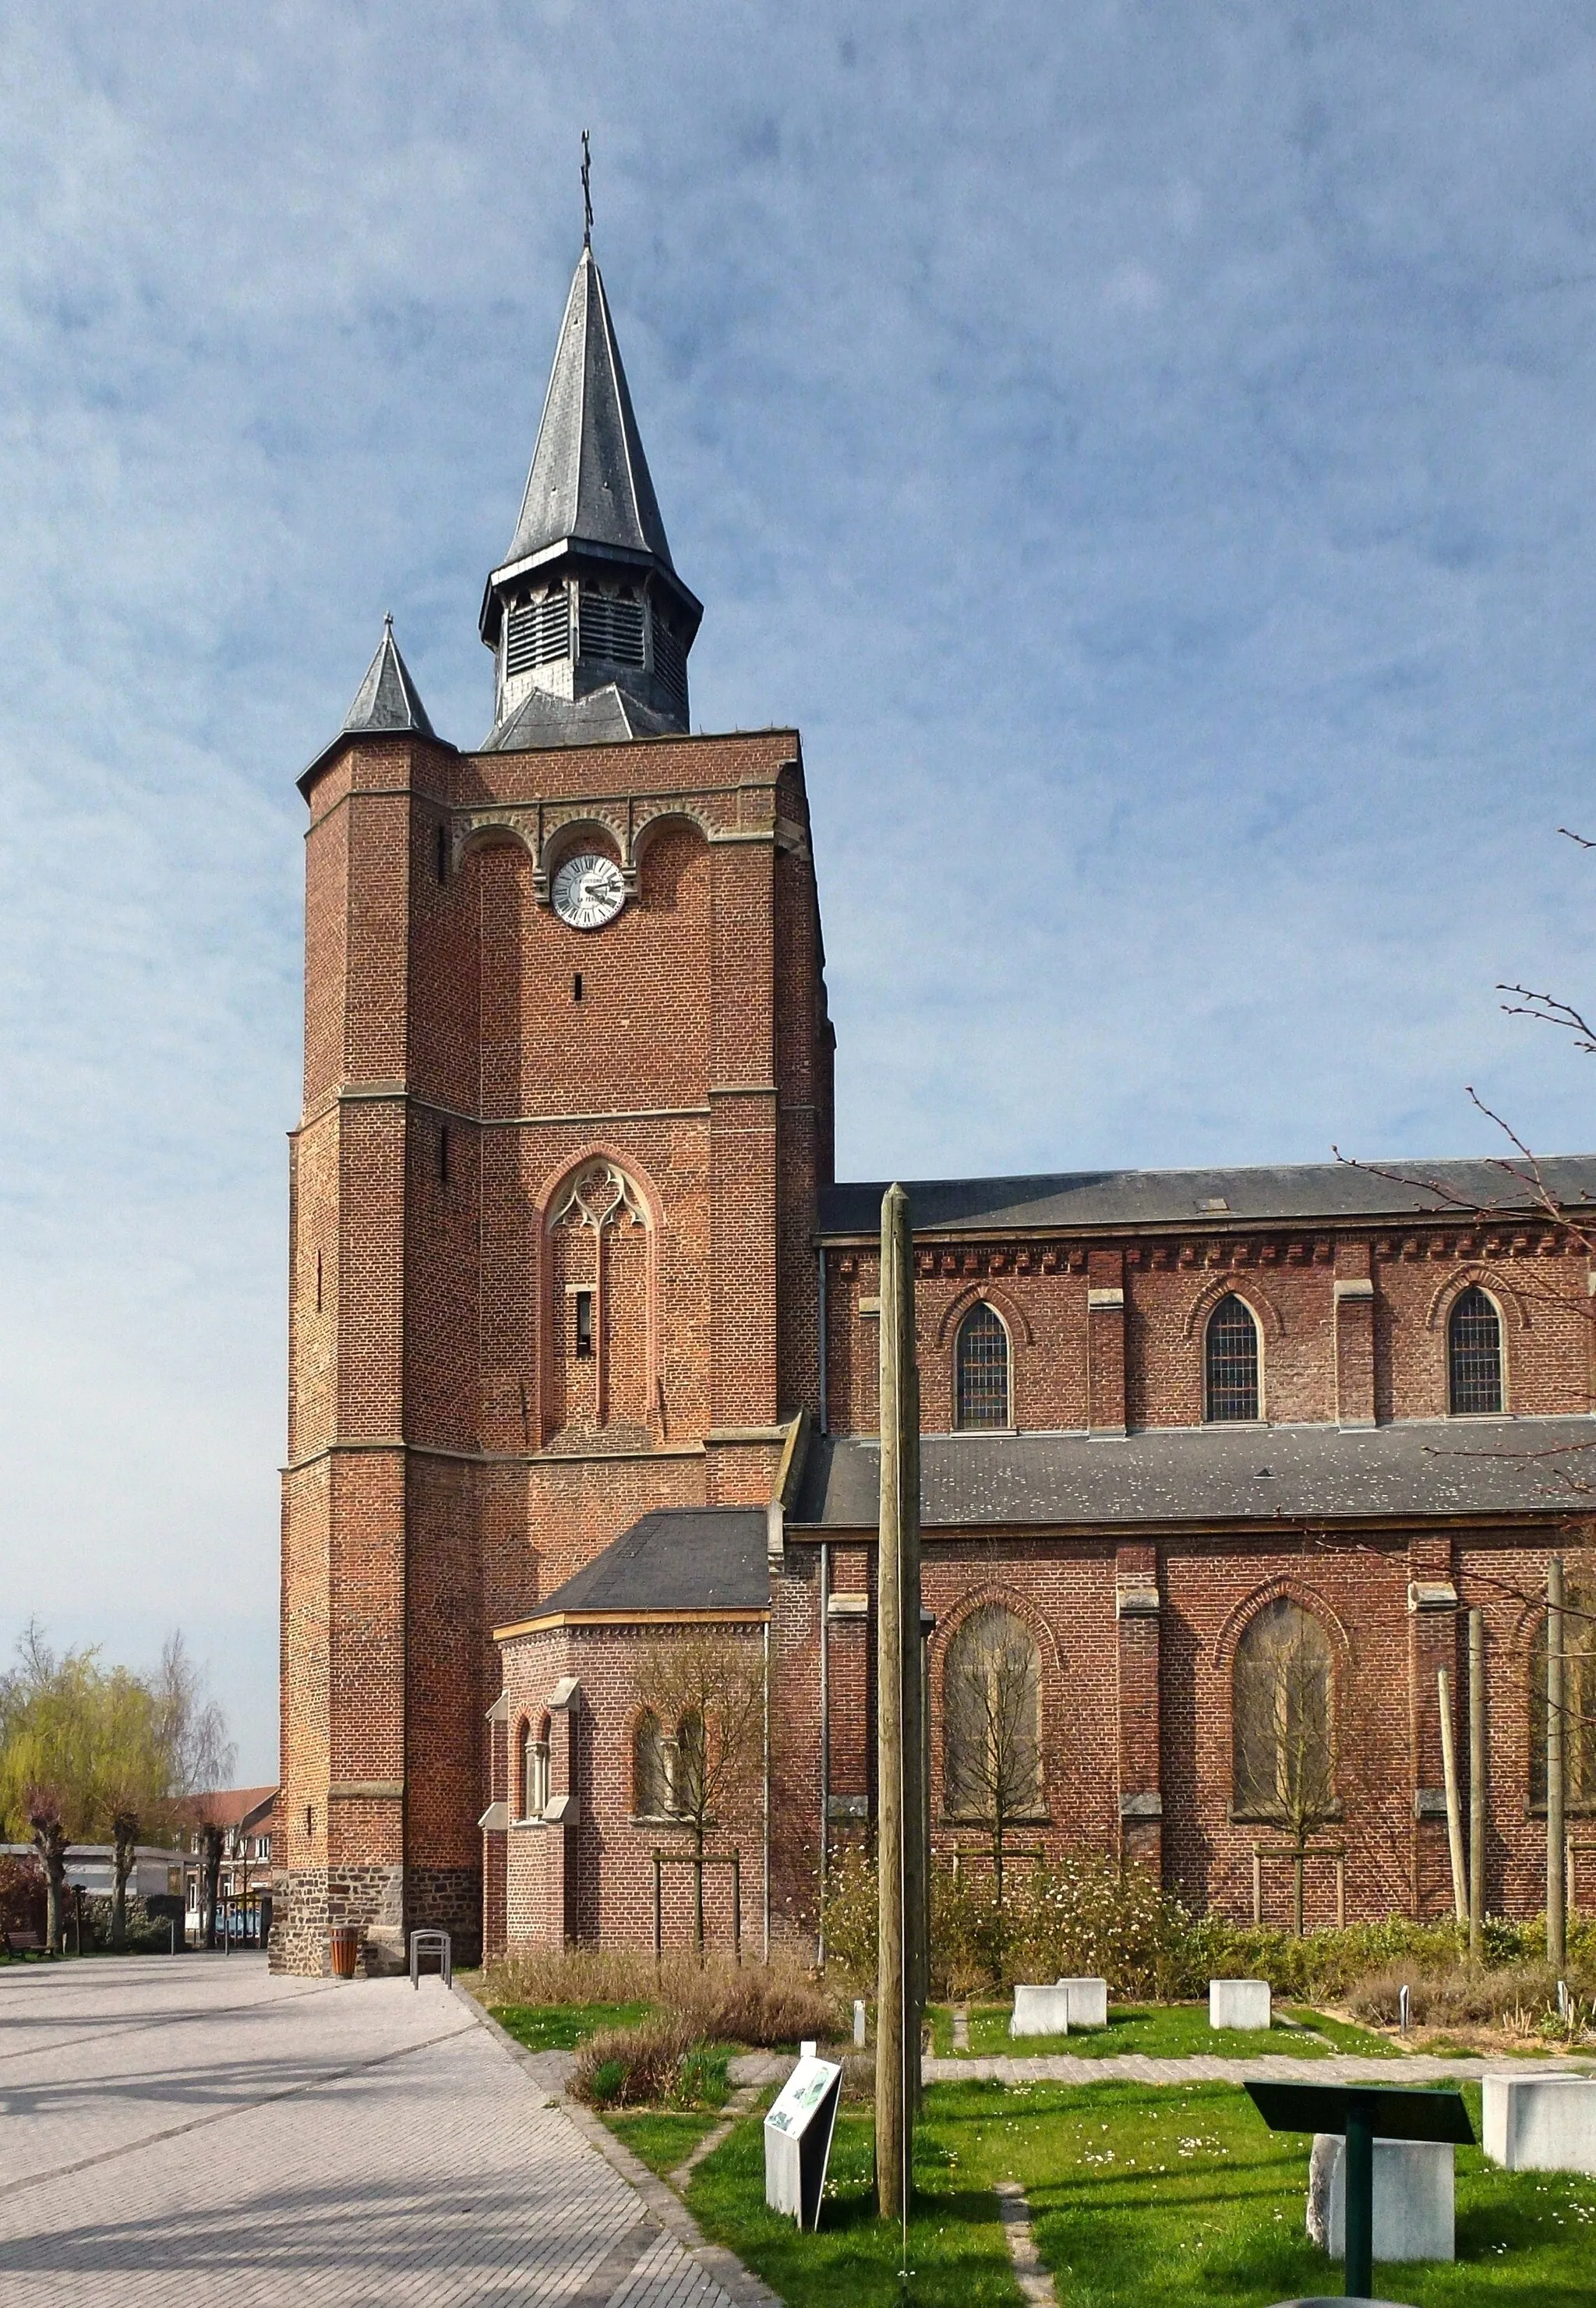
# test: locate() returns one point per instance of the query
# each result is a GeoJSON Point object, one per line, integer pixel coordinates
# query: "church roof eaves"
{"type": "Point", "coordinates": [1176, 1478]}
{"type": "Point", "coordinates": [1211, 1200]}
{"type": "Point", "coordinates": [675, 1562]}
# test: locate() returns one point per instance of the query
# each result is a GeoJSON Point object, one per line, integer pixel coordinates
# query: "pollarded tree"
{"type": "Point", "coordinates": [707, 1690]}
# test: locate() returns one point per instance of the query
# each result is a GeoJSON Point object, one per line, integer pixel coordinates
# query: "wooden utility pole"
{"type": "Point", "coordinates": [1476, 1785]}
{"type": "Point", "coordinates": [1455, 1837]}
{"type": "Point", "coordinates": [1555, 1859]}
{"type": "Point", "coordinates": [900, 1857]}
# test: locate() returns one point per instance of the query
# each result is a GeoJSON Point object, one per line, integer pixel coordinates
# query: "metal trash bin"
{"type": "Point", "coordinates": [346, 1948]}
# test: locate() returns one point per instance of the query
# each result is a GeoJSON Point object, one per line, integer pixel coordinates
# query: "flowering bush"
{"type": "Point", "coordinates": [22, 1893]}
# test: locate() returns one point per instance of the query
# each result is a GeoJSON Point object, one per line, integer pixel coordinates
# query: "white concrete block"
{"type": "Point", "coordinates": [1040, 2011]}
{"type": "Point", "coordinates": [1415, 2197]}
{"type": "Point", "coordinates": [1238, 2003]}
{"type": "Point", "coordinates": [1089, 2001]}
{"type": "Point", "coordinates": [1541, 2124]}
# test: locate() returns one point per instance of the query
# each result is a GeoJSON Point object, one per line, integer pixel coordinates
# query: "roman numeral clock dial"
{"type": "Point", "coordinates": [588, 891]}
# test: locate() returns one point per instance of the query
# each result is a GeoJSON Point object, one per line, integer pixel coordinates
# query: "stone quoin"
{"type": "Point", "coordinates": [583, 1360]}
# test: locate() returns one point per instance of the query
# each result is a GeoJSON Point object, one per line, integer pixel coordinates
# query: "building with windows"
{"type": "Point", "coordinates": [582, 1466]}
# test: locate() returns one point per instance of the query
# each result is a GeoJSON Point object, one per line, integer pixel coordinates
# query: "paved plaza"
{"type": "Point", "coordinates": [170, 2126]}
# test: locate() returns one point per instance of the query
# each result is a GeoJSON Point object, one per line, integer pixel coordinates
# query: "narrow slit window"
{"type": "Point", "coordinates": [576, 987]}
{"type": "Point", "coordinates": [442, 853]}
{"type": "Point", "coordinates": [444, 1155]}
{"type": "Point", "coordinates": [318, 1282]}
{"type": "Point", "coordinates": [584, 1325]}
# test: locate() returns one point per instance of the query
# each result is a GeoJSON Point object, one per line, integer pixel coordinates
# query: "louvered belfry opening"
{"type": "Point", "coordinates": [537, 632]}
{"type": "Point", "coordinates": [613, 627]}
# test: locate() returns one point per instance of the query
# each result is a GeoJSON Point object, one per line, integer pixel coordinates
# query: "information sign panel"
{"type": "Point", "coordinates": [798, 2140]}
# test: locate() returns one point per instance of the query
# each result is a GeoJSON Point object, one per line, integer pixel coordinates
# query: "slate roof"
{"type": "Point", "coordinates": [589, 477]}
{"type": "Point", "coordinates": [386, 703]}
{"type": "Point", "coordinates": [1216, 1475]}
{"type": "Point", "coordinates": [1296, 1193]}
{"type": "Point", "coordinates": [604, 717]}
{"type": "Point", "coordinates": [675, 1559]}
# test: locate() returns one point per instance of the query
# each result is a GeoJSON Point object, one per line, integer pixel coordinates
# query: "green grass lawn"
{"type": "Point", "coordinates": [662, 2138]}
{"type": "Point", "coordinates": [1138, 2194]}
{"type": "Point", "coordinates": [1164, 2031]}
{"type": "Point", "coordinates": [563, 2027]}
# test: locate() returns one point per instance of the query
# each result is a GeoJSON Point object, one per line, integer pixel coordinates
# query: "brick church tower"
{"type": "Point", "coordinates": [567, 1113]}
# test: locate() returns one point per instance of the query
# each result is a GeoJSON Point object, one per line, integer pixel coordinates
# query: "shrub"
{"type": "Point", "coordinates": [775, 2002]}
{"type": "Point", "coordinates": [662, 2063]}
{"type": "Point", "coordinates": [22, 1893]}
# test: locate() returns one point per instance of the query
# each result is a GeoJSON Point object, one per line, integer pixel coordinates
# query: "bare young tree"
{"type": "Point", "coordinates": [991, 1727]}
{"type": "Point", "coordinates": [707, 1689]}
{"type": "Point", "coordinates": [1285, 1730]}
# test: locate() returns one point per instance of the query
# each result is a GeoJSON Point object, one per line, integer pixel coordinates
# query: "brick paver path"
{"type": "Point", "coordinates": [188, 2127]}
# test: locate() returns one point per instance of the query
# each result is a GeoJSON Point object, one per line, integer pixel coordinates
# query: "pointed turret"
{"type": "Point", "coordinates": [387, 699]}
{"type": "Point", "coordinates": [386, 703]}
{"type": "Point", "coordinates": [588, 620]}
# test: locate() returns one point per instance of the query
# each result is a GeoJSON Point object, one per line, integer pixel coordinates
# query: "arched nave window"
{"type": "Point", "coordinates": [1231, 1361]}
{"type": "Point", "coordinates": [981, 1369]}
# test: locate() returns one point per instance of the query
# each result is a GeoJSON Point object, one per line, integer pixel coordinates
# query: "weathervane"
{"type": "Point", "coordinates": [587, 194]}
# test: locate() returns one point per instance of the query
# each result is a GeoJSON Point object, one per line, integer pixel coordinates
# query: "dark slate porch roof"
{"type": "Point", "coordinates": [1298, 1194]}
{"type": "Point", "coordinates": [675, 1559]}
{"type": "Point", "coordinates": [1204, 1475]}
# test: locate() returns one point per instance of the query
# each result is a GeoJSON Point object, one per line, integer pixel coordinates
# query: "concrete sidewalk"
{"type": "Point", "coordinates": [169, 2121]}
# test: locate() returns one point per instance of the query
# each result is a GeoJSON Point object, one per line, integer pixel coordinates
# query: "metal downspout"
{"type": "Point", "coordinates": [824, 1738]}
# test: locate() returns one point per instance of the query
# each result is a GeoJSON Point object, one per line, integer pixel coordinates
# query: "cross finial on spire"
{"type": "Point", "coordinates": [587, 194]}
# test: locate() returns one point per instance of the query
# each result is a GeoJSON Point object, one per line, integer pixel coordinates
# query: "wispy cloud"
{"type": "Point", "coordinates": [1149, 452]}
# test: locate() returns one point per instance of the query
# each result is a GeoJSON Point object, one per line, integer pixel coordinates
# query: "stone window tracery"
{"type": "Point", "coordinates": [598, 1194]}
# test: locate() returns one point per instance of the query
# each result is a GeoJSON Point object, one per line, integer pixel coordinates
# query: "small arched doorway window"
{"type": "Point", "coordinates": [523, 1765]}
{"type": "Point", "coordinates": [981, 1370]}
{"type": "Point", "coordinates": [1283, 1722]}
{"type": "Point", "coordinates": [1474, 1355]}
{"type": "Point", "coordinates": [1231, 1361]}
{"type": "Point", "coordinates": [1579, 1705]}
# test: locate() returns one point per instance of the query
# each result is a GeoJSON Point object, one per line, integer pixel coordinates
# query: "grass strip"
{"type": "Point", "coordinates": [564, 2027]}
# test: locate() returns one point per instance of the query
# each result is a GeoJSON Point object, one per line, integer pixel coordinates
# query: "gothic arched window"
{"type": "Point", "coordinates": [991, 1718]}
{"type": "Point", "coordinates": [1284, 1718]}
{"type": "Point", "coordinates": [650, 1779]}
{"type": "Point", "coordinates": [1579, 1704]}
{"type": "Point", "coordinates": [981, 1370]}
{"type": "Point", "coordinates": [1231, 1360]}
{"type": "Point", "coordinates": [1473, 1354]}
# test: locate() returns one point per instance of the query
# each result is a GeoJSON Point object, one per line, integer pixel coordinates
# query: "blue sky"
{"type": "Point", "coordinates": [1148, 450]}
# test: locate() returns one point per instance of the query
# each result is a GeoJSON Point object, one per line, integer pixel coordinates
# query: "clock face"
{"type": "Point", "coordinates": [588, 891]}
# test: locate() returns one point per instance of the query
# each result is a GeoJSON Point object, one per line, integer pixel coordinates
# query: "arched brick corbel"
{"type": "Point", "coordinates": [1222, 1652]}
{"type": "Point", "coordinates": [1488, 1279]}
{"type": "Point", "coordinates": [1263, 1310]}
{"type": "Point", "coordinates": [1016, 1320]}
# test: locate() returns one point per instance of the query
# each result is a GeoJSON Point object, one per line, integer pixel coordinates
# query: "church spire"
{"type": "Point", "coordinates": [588, 620]}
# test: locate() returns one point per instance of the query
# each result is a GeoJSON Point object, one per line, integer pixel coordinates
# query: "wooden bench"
{"type": "Point", "coordinates": [24, 1944]}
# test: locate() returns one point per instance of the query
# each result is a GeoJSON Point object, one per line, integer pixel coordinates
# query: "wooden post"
{"type": "Point", "coordinates": [1476, 1785]}
{"type": "Point", "coordinates": [1454, 1846]}
{"type": "Point", "coordinates": [899, 1859]}
{"type": "Point", "coordinates": [1556, 1830]}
